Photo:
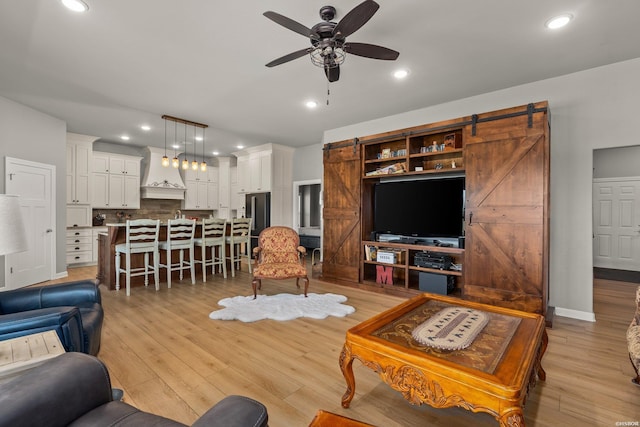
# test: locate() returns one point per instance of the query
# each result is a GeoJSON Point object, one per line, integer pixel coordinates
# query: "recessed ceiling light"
{"type": "Point", "coordinates": [145, 127]}
{"type": "Point", "coordinates": [311, 104]}
{"type": "Point", "coordinates": [175, 146]}
{"type": "Point", "coordinates": [125, 137]}
{"type": "Point", "coordinates": [558, 21]}
{"type": "Point", "coordinates": [400, 74]}
{"type": "Point", "coordinates": [215, 153]}
{"type": "Point", "coordinates": [240, 147]}
{"type": "Point", "coordinates": [76, 5]}
{"type": "Point", "coordinates": [198, 138]}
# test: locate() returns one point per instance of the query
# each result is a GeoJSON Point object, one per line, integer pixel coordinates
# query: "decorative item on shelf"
{"type": "Point", "coordinates": [386, 153]}
{"type": "Point", "coordinates": [388, 170]}
{"type": "Point", "coordinates": [418, 169]}
{"type": "Point", "coordinates": [453, 141]}
{"type": "Point", "coordinates": [453, 164]}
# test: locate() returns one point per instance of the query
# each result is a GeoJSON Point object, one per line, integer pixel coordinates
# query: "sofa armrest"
{"type": "Point", "coordinates": [55, 393]}
{"type": "Point", "coordinates": [66, 321]}
{"type": "Point", "coordinates": [235, 411]}
{"type": "Point", "coordinates": [82, 293]}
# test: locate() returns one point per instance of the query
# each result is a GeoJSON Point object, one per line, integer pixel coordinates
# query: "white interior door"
{"type": "Point", "coordinates": [616, 223]}
{"type": "Point", "coordinates": [34, 183]}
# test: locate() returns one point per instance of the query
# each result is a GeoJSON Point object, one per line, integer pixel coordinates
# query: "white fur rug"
{"type": "Point", "coordinates": [282, 307]}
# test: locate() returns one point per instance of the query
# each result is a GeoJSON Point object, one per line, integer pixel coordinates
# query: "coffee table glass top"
{"type": "Point", "coordinates": [483, 354]}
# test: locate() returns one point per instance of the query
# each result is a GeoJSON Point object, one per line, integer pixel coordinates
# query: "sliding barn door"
{"type": "Point", "coordinates": [507, 192]}
{"type": "Point", "coordinates": [341, 213]}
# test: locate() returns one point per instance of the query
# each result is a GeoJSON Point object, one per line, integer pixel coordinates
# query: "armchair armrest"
{"type": "Point", "coordinates": [66, 321]}
{"type": "Point", "coordinates": [82, 293]}
{"type": "Point", "coordinates": [57, 392]}
{"type": "Point", "coordinates": [234, 411]}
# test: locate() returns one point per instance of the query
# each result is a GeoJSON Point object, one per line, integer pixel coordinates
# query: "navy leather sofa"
{"type": "Point", "coordinates": [72, 309]}
{"type": "Point", "coordinates": [75, 389]}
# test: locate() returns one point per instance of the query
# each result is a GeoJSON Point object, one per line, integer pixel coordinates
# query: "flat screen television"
{"type": "Point", "coordinates": [429, 208]}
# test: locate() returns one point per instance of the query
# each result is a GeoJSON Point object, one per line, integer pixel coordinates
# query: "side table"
{"type": "Point", "coordinates": [329, 419]}
{"type": "Point", "coordinates": [20, 354]}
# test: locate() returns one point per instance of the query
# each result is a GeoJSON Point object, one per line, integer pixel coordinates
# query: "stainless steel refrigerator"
{"type": "Point", "coordinates": [258, 208]}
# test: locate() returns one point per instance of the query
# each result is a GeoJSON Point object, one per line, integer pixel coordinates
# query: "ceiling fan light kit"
{"type": "Point", "coordinates": [329, 47]}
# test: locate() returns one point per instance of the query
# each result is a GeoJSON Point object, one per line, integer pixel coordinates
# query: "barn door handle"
{"type": "Point", "coordinates": [470, 218]}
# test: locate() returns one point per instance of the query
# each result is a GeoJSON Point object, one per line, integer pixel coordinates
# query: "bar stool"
{"type": "Point", "coordinates": [141, 237]}
{"type": "Point", "coordinates": [239, 234]}
{"type": "Point", "coordinates": [180, 234]}
{"type": "Point", "coordinates": [213, 236]}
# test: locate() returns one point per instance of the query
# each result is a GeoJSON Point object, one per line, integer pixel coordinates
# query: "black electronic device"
{"type": "Point", "coordinates": [431, 208]}
{"type": "Point", "coordinates": [432, 260]}
{"type": "Point", "coordinates": [436, 283]}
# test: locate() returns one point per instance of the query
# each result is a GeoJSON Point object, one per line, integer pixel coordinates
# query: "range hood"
{"type": "Point", "coordinates": [160, 182]}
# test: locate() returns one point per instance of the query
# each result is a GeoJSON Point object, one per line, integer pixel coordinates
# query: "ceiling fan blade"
{"type": "Point", "coordinates": [332, 73]}
{"type": "Point", "coordinates": [292, 25]}
{"type": "Point", "coordinates": [371, 51]}
{"type": "Point", "coordinates": [290, 57]}
{"type": "Point", "coordinates": [356, 18]}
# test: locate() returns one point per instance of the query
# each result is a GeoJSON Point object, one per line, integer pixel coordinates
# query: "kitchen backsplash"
{"type": "Point", "coordinates": [150, 208]}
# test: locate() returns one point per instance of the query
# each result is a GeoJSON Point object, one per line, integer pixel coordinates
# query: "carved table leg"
{"type": "Point", "coordinates": [543, 347]}
{"type": "Point", "coordinates": [346, 365]}
{"type": "Point", "coordinates": [512, 417]}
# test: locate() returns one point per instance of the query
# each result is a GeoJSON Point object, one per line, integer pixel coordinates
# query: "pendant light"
{"type": "Point", "coordinates": [175, 162]}
{"type": "Point", "coordinates": [194, 163]}
{"type": "Point", "coordinates": [203, 165]}
{"type": "Point", "coordinates": [185, 162]}
{"type": "Point", "coordinates": [165, 159]}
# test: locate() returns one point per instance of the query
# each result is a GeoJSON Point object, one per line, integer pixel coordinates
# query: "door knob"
{"type": "Point", "coordinates": [49, 230]}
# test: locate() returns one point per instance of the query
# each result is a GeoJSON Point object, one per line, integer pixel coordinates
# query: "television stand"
{"type": "Point", "coordinates": [401, 267]}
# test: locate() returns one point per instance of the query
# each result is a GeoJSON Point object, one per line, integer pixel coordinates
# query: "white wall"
{"type": "Point", "coordinates": [591, 109]}
{"type": "Point", "coordinates": [307, 163]}
{"type": "Point", "coordinates": [31, 135]}
{"type": "Point", "coordinates": [616, 162]}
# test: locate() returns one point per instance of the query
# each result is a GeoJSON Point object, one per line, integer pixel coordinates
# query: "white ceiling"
{"type": "Point", "coordinates": [127, 62]}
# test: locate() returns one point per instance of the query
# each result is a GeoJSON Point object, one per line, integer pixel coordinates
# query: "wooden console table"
{"type": "Point", "coordinates": [492, 375]}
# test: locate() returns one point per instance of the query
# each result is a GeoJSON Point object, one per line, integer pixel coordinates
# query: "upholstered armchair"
{"type": "Point", "coordinates": [75, 389]}
{"type": "Point", "coordinates": [72, 309]}
{"type": "Point", "coordinates": [279, 256]}
{"type": "Point", "coordinates": [633, 340]}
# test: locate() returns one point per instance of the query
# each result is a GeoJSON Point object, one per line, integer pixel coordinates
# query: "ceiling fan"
{"type": "Point", "coordinates": [328, 39]}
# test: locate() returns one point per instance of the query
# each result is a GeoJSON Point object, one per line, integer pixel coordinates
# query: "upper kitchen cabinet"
{"type": "Point", "coordinates": [78, 179]}
{"type": "Point", "coordinates": [268, 168]}
{"type": "Point", "coordinates": [116, 181]}
{"type": "Point", "coordinates": [202, 188]}
{"type": "Point", "coordinates": [78, 168]}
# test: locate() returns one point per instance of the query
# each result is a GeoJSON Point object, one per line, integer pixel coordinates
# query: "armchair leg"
{"type": "Point", "coordinates": [306, 285]}
{"type": "Point", "coordinates": [255, 284]}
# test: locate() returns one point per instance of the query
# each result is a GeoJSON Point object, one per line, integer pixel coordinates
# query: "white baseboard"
{"type": "Point", "coordinates": [575, 314]}
{"type": "Point", "coordinates": [60, 275]}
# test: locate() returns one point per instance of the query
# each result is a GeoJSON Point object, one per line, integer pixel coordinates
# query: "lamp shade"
{"type": "Point", "coordinates": [12, 232]}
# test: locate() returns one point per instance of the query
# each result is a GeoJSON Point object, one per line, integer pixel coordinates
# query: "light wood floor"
{"type": "Point", "coordinates": [172, 360]}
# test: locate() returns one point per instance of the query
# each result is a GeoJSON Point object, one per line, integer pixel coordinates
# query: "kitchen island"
{"type": "Point", "coordinates": [116, 234]}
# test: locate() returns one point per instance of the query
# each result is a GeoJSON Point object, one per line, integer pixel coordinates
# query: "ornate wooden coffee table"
{"type": "Point", "coordinates": [493, 374]}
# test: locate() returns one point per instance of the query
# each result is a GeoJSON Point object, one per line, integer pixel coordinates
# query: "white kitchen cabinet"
{"type": "Point", "coordinates": [262, 169]}
{"type": "Point", "coordinates": [79, 246]}
{"type": "Point", "coordinates": [78, 171]}
{"type": "Point", "coordinates": [116, 181]}
{"type": "Point", "coordinates": [78, 215]}
{"type": "Point", "coordinates": [202, 189]}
